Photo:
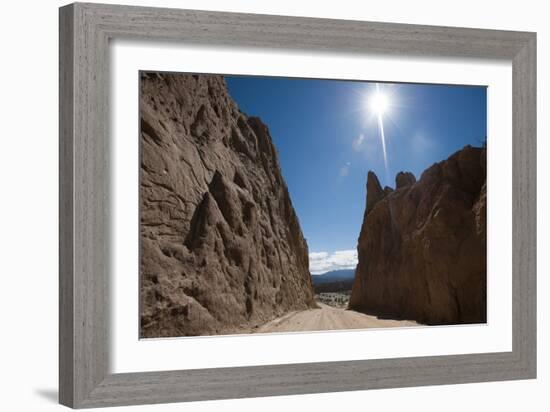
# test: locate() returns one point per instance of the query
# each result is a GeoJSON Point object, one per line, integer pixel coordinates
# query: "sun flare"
{"type": "Point", "coordinates": [379, 102]}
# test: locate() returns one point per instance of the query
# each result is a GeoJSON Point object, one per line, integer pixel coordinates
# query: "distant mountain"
{"type": "Point", "coordinates": [333, 281]}
{"type": "Point", "coordinates": [333, 276]}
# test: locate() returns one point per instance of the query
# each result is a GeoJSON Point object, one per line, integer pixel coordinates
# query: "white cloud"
{"type": "Point", "coordinates": [420, 143]}
{"type": "Point", "coordinates": [369, 145]}
{"type": "Point", "coordinates": [358, 143]}
{"type": "Point", "coordinates": [344, 170]}
{"type": "Point", "coordinates": [321, 262]}
{"type": "Point", "coordinates": [318, 255]}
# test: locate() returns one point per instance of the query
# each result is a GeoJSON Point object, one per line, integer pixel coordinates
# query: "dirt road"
{"type": "Point", "coordinates": [328, 318]}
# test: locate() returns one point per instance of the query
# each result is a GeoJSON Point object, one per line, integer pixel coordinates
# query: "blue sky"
{"type": "Point", "coordinates": [328, 137]}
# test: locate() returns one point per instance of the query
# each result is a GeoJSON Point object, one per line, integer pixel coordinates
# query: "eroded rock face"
{"type": "Point", "coordinates": [422, 247]}
{"type": "Point", "coordinates": [404, 179]}
{"type": "Point", "coordinates": [220, 244]}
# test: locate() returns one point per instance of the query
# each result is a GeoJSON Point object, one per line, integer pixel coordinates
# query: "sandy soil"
{"type": "Point", "coordinates": [328, 318]}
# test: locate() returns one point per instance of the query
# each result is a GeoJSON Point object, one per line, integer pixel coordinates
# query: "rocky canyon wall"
{"type": "Point", "coordinates": [220, 243]}
{"type": "Point", "coordinates": [422, 247]}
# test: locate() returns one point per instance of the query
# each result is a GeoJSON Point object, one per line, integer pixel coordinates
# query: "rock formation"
{"type": "Point", "coordinates": [404, 179]}
{"type": "Point", "coordinates": [422, 247]}
{"type": "Point", "coordinates": [221, 247]}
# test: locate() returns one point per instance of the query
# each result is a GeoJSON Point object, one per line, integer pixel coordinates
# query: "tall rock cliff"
{"type": "Point", "coordinates": [220, 244]}
{"type": "Point", "coordinates": [422, 246]}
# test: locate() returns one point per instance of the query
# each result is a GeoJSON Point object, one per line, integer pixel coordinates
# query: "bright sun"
{"type": "Point", "coordinates": [379, 103]}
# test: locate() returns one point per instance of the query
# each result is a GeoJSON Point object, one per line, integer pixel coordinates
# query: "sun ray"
{"type": "Point", "coordinates": [383, 140]}
{"type": "Point", "coordinates": [380, 105]}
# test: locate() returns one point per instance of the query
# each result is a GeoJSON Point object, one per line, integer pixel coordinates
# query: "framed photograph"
{"type": "Point", "coordinates": [256, 205]}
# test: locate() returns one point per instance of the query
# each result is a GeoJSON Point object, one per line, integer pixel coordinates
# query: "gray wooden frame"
{"type": "Point", "coordinates": [85, 31]}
